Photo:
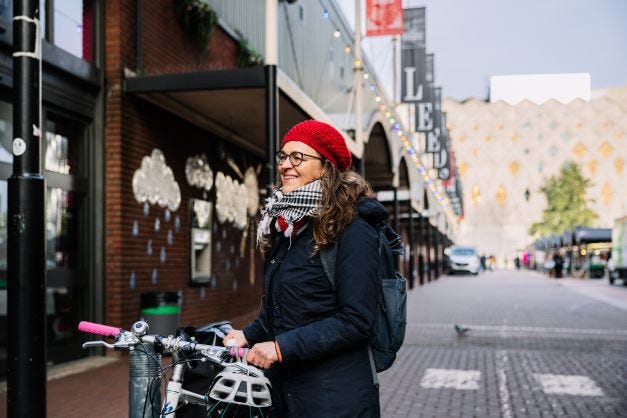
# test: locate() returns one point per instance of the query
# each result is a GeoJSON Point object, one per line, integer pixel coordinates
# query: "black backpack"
{"type": "Point", "coordinates": [391, 319]}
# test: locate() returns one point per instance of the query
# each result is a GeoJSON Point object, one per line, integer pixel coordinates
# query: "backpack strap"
{"type": "Point", "coordinates": [386, 257]}
{"type": "Point", "coordinates": [328, 257]}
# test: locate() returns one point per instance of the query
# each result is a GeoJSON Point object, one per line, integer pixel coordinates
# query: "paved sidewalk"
{"type": "Point", "coordinates": [102, 390]}
{"type": "Point", "coordinates": [535, 347]}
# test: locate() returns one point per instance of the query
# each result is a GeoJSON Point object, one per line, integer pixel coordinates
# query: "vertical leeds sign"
{"type": "Point", "coordinates": [413, 44]}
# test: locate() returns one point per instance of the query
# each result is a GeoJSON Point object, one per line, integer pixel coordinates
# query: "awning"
{"type": "Point", "coordinates": [231, 104]}
{"type": "Point", "coordinates": [588, 235]}
{"type": "Point", "coordinates": [228, 103]}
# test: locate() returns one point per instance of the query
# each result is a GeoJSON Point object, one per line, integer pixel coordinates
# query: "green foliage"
{"type": "Point", "coordinates": [247, 55]}
{"type": "Point", "coordinates": [197, 19]}
{"type": "Point", "coordinates": [567, 207]}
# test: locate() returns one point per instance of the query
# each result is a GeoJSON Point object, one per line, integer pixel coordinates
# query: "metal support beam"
{"type": "Point", "coordinates": [271, 46]}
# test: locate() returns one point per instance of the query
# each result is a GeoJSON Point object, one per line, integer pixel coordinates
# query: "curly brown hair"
{"type": "Point", "coordinates": [340, 192]}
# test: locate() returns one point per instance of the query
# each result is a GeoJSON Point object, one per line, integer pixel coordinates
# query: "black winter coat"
{"type": "Point", "coordinates": [322, 333]}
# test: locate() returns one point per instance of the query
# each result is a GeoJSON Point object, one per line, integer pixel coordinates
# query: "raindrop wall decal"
{"type": "Point", "coordinates": [131, 280]}
{"type": "Point", "coordinates": [154, 277]}
{"type": "Point", "coordinates": [135, 228]}
{"type": "Point", "coordinates": [149, 247]}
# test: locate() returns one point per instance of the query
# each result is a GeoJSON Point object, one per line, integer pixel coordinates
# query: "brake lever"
{"type": "Point", "coordinates": [90, 344]}
{"type": "Point", "coordinates": [126, 341]}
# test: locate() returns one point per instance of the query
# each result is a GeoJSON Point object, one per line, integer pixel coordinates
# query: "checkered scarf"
{"type": "Point", "coordinates": [293, 207]}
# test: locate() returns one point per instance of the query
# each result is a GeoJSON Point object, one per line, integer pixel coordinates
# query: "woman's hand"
{"type": "Point", "coordinates": [263, 355]}
{"type": "Point", "coordinates": [238, 336]}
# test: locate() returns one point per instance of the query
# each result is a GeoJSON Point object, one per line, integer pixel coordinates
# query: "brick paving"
{"type": "Point", "coordinates": [523, 328]}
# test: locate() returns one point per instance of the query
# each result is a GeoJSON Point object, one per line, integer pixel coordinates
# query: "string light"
{"type": "Point", "coordinates": [396, 127]}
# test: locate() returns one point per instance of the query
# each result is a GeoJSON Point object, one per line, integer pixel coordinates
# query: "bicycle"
{"type": "Point", "coordinates": [238, 389]}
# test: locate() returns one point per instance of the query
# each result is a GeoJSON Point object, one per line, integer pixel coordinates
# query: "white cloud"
{"type": "Point", "coordinates": [154, 182]}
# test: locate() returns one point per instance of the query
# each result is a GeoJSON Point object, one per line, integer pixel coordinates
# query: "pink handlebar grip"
{"type": "Point", "coordinates": [239, 352]}
{"type": "Point", "coordinates": [99, 329]}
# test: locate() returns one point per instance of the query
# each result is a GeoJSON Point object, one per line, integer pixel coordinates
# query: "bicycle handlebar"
{"type": "Point", "coordinates": [172, 343]}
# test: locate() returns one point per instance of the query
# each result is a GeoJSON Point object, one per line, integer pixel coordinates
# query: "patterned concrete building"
{"type": "Point", "coordinates": [505, 153]}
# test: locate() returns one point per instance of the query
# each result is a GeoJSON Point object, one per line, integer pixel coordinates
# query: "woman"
{"type": "Point", "coordinates": [311, 337]}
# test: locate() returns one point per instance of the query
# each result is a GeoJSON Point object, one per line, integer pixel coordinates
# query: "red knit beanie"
{"type": "Point", "coordinates": [324, 138]}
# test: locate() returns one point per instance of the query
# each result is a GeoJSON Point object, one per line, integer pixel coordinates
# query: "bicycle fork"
{"type": "Point", "coordinates": [174, 388]}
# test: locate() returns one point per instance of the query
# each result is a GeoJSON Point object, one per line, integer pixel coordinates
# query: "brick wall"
{"type": "Point", "coordinates": [133, 129]}
{"type": "Point", "coordinates": [168, 49]}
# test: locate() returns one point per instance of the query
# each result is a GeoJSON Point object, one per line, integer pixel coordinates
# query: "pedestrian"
{"type": "Point", "coordinates": [517, 263]}
{"type": "Point", "coordinates": [311, 338]}
{"type": "Point", "coordinates": [559, 264]}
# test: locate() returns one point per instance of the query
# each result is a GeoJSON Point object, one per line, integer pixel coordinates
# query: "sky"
{"type": "Point", "coordinates": [473, 40]}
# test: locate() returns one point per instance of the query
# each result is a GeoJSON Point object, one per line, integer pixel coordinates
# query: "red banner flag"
{"type": "Point", "coordinates": [384, 17]}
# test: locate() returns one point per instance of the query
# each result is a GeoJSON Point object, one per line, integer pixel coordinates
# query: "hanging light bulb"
{"type": "Point", "coordinates": [347, 49]}
{"type": "Point", "coordinates": [377, 99]}
{"type": "Point", "coordinates": [336, 33]}
{"type": "Point", "coordinates": [325, 13]}
{"type": "Point", "coordinates": [366, 76]}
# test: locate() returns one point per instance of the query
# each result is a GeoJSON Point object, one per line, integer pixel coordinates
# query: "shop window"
{"type": "Point", "coordinates": [67, 24]}
{"type": "Point", "coordinates": [61, 231]}
{"type": "Point", "coordinates": [6, 132]}
{"type": "Point", "coordinates": [72, 27]}
{"type": "Point", "coordinates": [61, 152]}
{"type": "Point", "coordinates": [66, 238]}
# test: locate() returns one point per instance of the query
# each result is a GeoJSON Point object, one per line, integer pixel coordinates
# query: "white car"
{"type": "Point", "coordinates": [464, 260]}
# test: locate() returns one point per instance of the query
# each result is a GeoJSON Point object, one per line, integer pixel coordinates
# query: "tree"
{"type": "Point", "coordinates": [567, 206]}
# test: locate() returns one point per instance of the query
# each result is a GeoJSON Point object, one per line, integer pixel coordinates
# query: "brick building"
{"type": "Point", "coordinates": [155, 155]}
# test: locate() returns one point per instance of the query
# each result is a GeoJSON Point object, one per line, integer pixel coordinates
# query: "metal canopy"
{"type": "Point", "coordinates": [227, 103]}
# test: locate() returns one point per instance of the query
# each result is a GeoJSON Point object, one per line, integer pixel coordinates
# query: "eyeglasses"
{"type": "Point", "coordinates": [296, 158]}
